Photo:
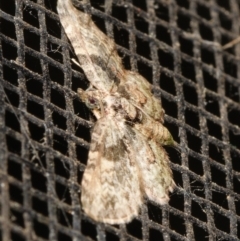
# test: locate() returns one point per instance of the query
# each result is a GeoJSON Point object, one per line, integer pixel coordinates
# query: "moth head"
{"type": "Point", "coordinates": [92, 102]}
{"type": "Point", "coordinates": [91, 97]}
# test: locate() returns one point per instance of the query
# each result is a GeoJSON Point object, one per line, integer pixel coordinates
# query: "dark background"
{"type": "Point", "coordinates": [45, 129]}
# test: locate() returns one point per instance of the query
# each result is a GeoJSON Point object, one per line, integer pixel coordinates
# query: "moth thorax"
{"type": "Point", "coordinates": [110, 101]}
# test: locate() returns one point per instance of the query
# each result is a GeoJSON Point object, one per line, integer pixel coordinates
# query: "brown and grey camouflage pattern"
{"type": "Point", "coordinates": [126, 159]}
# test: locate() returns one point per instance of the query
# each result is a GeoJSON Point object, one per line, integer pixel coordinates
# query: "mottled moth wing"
{"type": "Point", "coordinates": [153, 163]}
{"type": "Point", "coordinates": [154, 131]}
{"type": "Point", "coordinates": [110, 185]}
{"type": "Point", "coordinates": [103, 67]}
{"type": "Point", "coordinates": [150, 114]}
{"type": "Point", "coordinates": [147, 116]}
{"type": "Point", "coordinates": [138, 91]}
{"type": "Point", "coordinates": [96, 52]}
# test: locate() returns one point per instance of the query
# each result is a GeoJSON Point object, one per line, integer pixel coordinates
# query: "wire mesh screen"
{"type": "Point", "coordinates": [45, 128]}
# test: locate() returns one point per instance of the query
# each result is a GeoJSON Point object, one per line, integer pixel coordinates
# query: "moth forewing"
{"type": "Point", "coordinates": [140, 94]}
{"type": "Point", "coordinates": [153, 164]}
{"type": "Point", "coordinates": [110, 186]}
{"type": "Point", "coordinates": [95, 51]}
{"type": "Point", "coordinates": [154, 131]}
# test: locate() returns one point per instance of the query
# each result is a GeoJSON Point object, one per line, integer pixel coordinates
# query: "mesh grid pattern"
{"type": "Point", "coordinates": [45, 129]}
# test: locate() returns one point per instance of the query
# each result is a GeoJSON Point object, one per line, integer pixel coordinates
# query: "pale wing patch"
{"type": "Point", "coordinates": [153, 163]}
{"type": "Point", "coordinates": [110, 186]}
{"type": "Point", "coordinates": [159, 182]}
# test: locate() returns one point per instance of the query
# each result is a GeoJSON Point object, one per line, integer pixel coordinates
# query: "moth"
{"type": "Point", "coordinates": [126, 160]}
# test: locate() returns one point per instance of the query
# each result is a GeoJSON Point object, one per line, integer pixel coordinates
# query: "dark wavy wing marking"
{"type": "Point", "coordinates": [110, 186]}
{"type": "Point", "coordinates": [90, 44]}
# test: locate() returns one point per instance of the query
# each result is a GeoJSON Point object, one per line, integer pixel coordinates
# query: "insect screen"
{"type": "Point", "coordinates": [45, 128]}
